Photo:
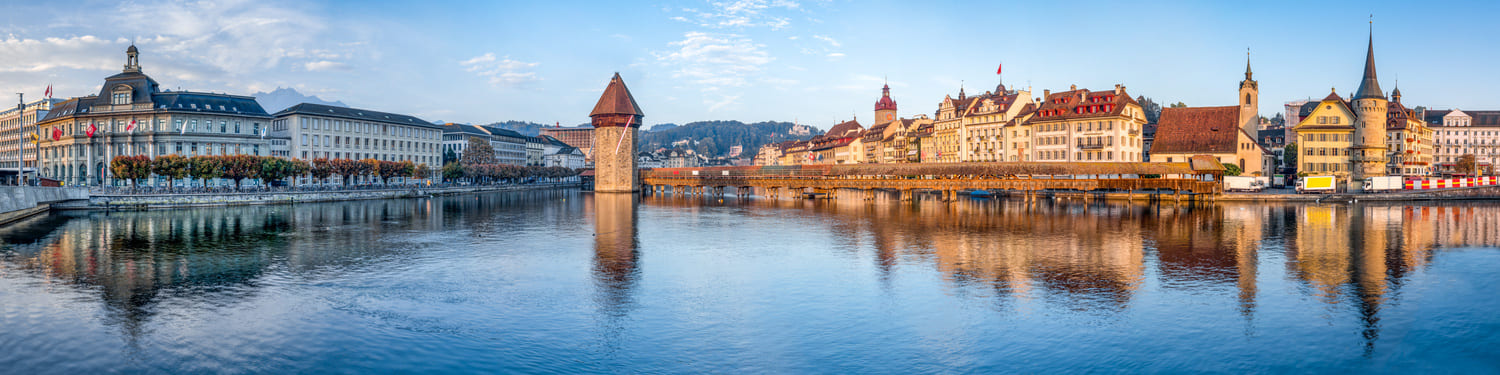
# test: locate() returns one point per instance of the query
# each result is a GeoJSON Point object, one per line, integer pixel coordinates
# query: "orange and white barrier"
{"type": "Point", "coordinates": [1448, 183]}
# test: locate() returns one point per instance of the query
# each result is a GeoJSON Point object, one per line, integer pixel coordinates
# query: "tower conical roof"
{"type": "Point", "coordinates": [616, 100]}
{"type": "Point", "coordinates": [1369, 87]}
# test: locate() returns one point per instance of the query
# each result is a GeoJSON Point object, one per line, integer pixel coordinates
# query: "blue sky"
{"type": "Point", "coordinates": [816, 61]}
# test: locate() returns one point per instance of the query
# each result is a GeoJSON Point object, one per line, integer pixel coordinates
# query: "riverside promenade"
{"type": "Point", "coordinates": [126, 201]}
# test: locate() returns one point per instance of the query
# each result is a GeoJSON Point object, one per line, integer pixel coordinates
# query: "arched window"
{"type": "Point", "coordinates": [1247, 99]}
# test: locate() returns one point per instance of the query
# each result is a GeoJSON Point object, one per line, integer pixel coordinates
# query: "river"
{"type": "Point", "coordinates": [565, 281]}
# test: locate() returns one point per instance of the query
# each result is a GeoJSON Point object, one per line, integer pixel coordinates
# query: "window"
{"type": "Point", "coordinates": [304, 126]}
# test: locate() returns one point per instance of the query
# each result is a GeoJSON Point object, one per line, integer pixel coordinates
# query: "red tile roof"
{"type": "Point", "coordinates": [616, 100]}
{"type": "Point", "coordinates": [1202, 130]}
{"type": "Point", "coordinates": [1065, 105]}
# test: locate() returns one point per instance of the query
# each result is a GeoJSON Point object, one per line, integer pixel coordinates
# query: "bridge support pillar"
{"type": "Point", "coordinates": [905, 195]}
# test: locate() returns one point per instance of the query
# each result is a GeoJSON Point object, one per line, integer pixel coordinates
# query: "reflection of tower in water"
{"type": "Point", "coordinates": [615, 256]}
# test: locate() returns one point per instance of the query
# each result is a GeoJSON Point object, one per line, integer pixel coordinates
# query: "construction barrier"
{"type": "Point", "coordinates": [1448, 183]}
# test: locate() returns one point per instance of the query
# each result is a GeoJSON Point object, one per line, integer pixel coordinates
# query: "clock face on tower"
{"type": "Point", "coordinates": [889, 117]}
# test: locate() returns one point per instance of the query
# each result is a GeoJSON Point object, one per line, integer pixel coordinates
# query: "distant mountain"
{"type": "Point", "coordinates": [526, 128]}
{"type": "Point", "coordinates": [662, 127]}
{"type": "Point", "coordinates": [285, 97]}
{"type": "Point", "coordinates": [715, 138]}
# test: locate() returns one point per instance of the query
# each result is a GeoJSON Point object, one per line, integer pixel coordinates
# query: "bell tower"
{"type": "Point", "coordinates": [1367, 155]}
{"type": "Point", "coordinates": [885, 108]}
{"type": "Point", "coordinates": [1249, 100]}
{"type": "Point", "coordinates": [616, 119]}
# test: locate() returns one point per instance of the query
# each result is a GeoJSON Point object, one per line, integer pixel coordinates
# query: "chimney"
{"type": "Point", "coordinates": [1073, 87]}
{"type": "Point", "coordinates": [1046, 93]}
{"type": "Point", "coordinates": [1119, 89]}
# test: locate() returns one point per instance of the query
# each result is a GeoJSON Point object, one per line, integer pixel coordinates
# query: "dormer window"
{"type": "Point", "coordinates": [120, 96]}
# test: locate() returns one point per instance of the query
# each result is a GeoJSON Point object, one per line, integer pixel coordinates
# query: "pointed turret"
{"type": "Point", "coordinates": [1369, 87]}
{"type": "Point", "coordinates": [617, 100]}
{"type": "Point", "coordinates": [1396, 93]}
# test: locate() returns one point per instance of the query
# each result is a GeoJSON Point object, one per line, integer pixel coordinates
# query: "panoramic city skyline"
{"type": "Point", "coordinates": [817, 62]}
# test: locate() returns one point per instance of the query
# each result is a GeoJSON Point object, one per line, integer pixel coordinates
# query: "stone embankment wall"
{"type": "Point", "coordinates": [1481, 192]}
{"type": "Point", "coordinates": [18, 202]}
{"type": "Point", "coordinates": [152, 201]}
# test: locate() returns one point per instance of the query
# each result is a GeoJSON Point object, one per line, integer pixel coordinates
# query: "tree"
{"type": "Point", "coordinates": [205, 168]}
{"type": "Point", "coordinates": [131, 168]}
{"type": "Point", "coordinates": [1467, 164]}
{"type": "Point", "coordinates": [1289, 152]}
{"type": "Point", "coordinates": [240, 167]}
{"type": "Point", "coordinates": [346, 169]}
{"type": "Point", "coordinates": [453, 171]}
{"type": "Point", "coordinates": [1232, 169]}
{"type": "Point", "coordinates": [172, 167]}
{"type": "Point", "coordinates": [274, 169]}
{"type": "Point", "coordinates": [1179, 105]}
{"type": "Point", "coordinates": [449, 156]}
{"type": "Point", "coordinates": [297, 168]}
{"type": "Point", "coordinates": [478, 152]}
{"type": "Point", "coordinates": [406, 169]}
{"type": "Point", "coordinates": [321, 169]}
{"type": "Point", "coordinates": [422, 171]}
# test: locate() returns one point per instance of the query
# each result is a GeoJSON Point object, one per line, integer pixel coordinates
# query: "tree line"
{"type": "Point", "coordinates": [267, 169]}
{"type": "Point", "coordinates": [479, 164]}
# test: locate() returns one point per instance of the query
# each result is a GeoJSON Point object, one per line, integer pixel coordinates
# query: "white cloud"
{"type": "Point", "coordinates": [502, 72]}
{"type": "Point", "coordinates": [36, 55]}
{"type": "Point", "coordinates": [835, 55]}
{"type": "Point", "coordinates": [715, 59]}
{"type": "Point", "coordinates": [741, 14]}
{"type": "Point", "coordinates": [714, 62]}
{"type": "Point", "coordinates": [325, 65]}
{"type": "Point", "coordinates": [830, 41]}
{"type": "Point", "coordinates": [215, 45]}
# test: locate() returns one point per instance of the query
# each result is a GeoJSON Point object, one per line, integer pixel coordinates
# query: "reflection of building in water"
{"type": "Point", "coordinates": [615, 245]}
{"type": "Point", "coordinates": [1211, 246]}
{"type": "Point", "coordinates": [1319, 253]}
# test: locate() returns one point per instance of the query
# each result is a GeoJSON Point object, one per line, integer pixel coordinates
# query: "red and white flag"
{"type": "Point", "coordinates": [129, 128]}
{"type": "Point", "coordinates": [92, 129]}
{"type": "Point", "coordinates": [997, 68]}
{"type": "Point", "coordinates": [49, 92]}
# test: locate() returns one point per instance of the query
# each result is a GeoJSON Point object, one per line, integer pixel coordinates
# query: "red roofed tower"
{"type": "Point", "coordinates": [885, 108]}
{"type": "Point", "coordinates": [615, 118]}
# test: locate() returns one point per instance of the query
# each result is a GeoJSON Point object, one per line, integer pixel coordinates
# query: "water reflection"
{"type": "Point", "coordinates": [615, 243]}
{"type": "Point", "coordinates": [1043, 263]}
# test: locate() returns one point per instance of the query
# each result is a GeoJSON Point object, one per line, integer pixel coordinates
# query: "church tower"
{"type": "Point", "coordinates": [1249, 100]}
{"type": "Point", "coordinates": [615, 118]}
{"type": "Point", "coordinates": [885, 108]}
{"type": "Point", "coordinates": [1367, 156]}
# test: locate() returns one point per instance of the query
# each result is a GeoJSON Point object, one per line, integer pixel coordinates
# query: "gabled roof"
{"type": "Point", "coordinates": [616, 100]}
{"type": "Point", "coordinates": [844, 129]}
{"type": "Point", "coordinates": [355, 114]}
{"type": "Point", "coordinates": [1062, 105]}
{"type": "Point", "coordinates": [1204, 130]}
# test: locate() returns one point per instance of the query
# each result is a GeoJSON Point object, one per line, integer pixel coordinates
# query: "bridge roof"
{"type": "Point", "coordinates": [1010, 169]}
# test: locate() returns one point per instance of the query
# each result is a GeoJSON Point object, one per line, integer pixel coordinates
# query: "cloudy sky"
{"type": "Point", "coordinates": [816, 61]}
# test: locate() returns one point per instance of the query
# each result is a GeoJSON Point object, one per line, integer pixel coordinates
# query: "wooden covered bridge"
{"type": "Point", "coordinates": [1195, 178]}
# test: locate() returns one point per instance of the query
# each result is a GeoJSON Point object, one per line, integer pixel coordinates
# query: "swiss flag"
{"type": "Point", "coordinates": [997, 68]}
{"type": "Point", "coordinates": [56, 134]}
{"type": "Point", "coordinates": [130, 127]}
{"type": "Point", "coordinates": [92, 129]}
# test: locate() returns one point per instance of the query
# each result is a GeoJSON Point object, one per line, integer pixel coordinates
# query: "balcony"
{"type": "Point", "coordinates": [1090, 146]}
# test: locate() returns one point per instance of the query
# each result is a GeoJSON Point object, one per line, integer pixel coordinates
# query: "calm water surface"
{"type": "Point", "coordinates": [563, 281]}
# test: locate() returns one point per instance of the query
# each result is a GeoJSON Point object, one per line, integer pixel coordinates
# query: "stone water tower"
{"type": "Point", "coordinates": [615, 121]}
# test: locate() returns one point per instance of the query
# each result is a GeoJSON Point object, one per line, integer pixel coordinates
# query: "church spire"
{"type": "Point", "coordinates": [1247, 64]}
{"type": "Point", "coordinates": [1369, 87]}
